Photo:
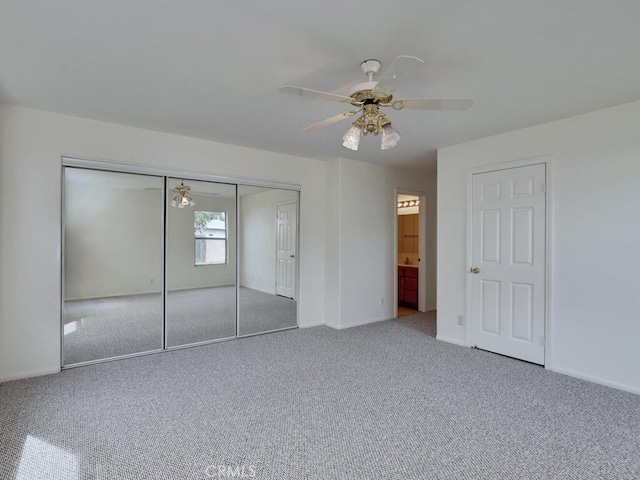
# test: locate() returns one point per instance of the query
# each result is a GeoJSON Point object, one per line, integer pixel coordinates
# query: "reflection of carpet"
{"type": "Point", "coordinates": [110, 327]}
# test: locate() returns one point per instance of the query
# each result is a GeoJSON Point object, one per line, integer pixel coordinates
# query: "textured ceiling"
{"type": "Point", "coordinates": [212, 69]}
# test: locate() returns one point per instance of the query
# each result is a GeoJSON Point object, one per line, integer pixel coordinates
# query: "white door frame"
{"type": "Point", "coordinates": [422, 237]}
{"type": "Point", "coordinates": [549, 210]}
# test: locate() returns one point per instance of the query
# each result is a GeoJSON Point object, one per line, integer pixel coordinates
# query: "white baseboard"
{"type": "Point", "coordinates": [203, 287]}
{"type": "Point", "coordinates": [359, 323]}
{"type": "Point", "coordinates": [455, 341]}
{"type": "Point", "coordinates": [262, 290]}
{"type": "Point", "coordinates": [112, 295]}
{"type": "Point", "coordinates": [311, 325]}
{"type": "Point", "coordinates": [335, 326]}
{"type": "Point", "coordinates": [29, 374]}
{"type": "Point", "coordinates": [155, 292]}
{"type": "Point", "coordinates": [598, 380]}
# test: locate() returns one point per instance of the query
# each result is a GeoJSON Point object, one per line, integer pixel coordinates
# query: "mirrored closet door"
{"type": "Point", "coordinates": [268, 259]}
{"type": "Point", "coordinates": [113, 248]}
{"type": "Point", "coordinates": [201, 262]}
{"type": "Point", "coordinates": [155, 262]}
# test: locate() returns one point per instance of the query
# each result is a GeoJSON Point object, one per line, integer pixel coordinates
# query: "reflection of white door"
{"type": "Point", "coordinates": [286, 250]}
{"type": "Point", "coordinates": [508, 262]}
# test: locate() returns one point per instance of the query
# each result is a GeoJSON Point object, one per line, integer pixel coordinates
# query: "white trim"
{"type": "Point", "coordinates": [92, 164]}
{"type": "Point", "coordinates": [297, 296]}
{"type": "Point", "coordinates": [62, 292]}
{"type": "Point", "coordinates": [29, 374]}
{"type": "Point", "coordinates": [395, 255]}
{"type": "Point", "coordinates": [548, 335]}
{"type": "Point", "coordinates": [455, 341]}
{"type": "Point", "coordinates": [248, 335]}
{"type": "Point", "coordinates": [547, 160]}
{"type": "Point", "coordinates": [598, 380]}
{"type": "Point", "coordinates": [164, 222]}
{"type": "Point", "coordinates": [422, 250]}
{"type": "Point", "coordinates": [313, 325]}
{"type": "Point", "coordinates": [158, 292]}
{"type": "Point", "coordinates": [111, 295]}
{"type": "Point", "coordinates": [360, 323]}
{"type": "Point", "coordinates": [334, 325]}
{"type": "Point", "coordinates": [264, 291]}
{"type": "Point", "coordinates": [238, 259]}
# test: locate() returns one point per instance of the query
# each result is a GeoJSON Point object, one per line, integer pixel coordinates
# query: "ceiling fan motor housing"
{"type": "Point", "coordinates": [370, 67]}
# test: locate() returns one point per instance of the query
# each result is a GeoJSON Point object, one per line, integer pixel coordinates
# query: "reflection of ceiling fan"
{"type": "Point", "coordinates": [211, 194]}
{"type": "Point", "coordinates": [182, 198]}
{"type": "Point", "coordinates": [369, 96]}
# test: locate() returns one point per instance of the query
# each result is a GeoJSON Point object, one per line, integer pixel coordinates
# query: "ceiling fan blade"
{"type": "Point", "coordinates": [454, 104]}
{"type": "Point", "coordinates": [307, 92]}
{"type": "Point", "coordinates": [329, 121]}
{"type": "Point", "coordinates": [401, 67]}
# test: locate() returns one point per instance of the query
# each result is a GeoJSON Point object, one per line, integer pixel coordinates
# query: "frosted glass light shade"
{"type": "Point", "coordinates": [352, 137]}
{"type": "Point", "coordinates": [390, 136]}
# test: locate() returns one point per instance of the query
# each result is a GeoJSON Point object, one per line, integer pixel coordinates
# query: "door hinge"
{"type": "Point", "coordinates": [542, 341]}
{"type": "Point", "coordinates": [543, 188]}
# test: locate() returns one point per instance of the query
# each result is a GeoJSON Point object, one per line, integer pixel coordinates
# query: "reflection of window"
{"type": "Point", "coordinates": [211, 237]}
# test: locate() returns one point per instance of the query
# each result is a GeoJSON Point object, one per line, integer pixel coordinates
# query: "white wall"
{"type": "Point", "coordinates": [333, 233]}
{"type": "Point", "coordinates": [361, 258]}
{"type": "Point", "coordinates": [113, 240]}
{"type": "Point", "coordinates": [182, 273]}
{"type": "Point", "coordinates": [594, 310]}
{"type": "Point", "coordinates": [258, 237]}
{"type": "Point", "coordinates": [32, 143]}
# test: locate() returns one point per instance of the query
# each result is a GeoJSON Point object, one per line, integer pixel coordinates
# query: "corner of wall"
{"type": "Point", "coordinates": [332, 243]}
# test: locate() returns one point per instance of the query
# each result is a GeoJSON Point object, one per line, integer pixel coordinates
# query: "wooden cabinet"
{"type": "Point", "coordinates": [408, 233]}
{"type": "Point", "coordinates": [408, 287]}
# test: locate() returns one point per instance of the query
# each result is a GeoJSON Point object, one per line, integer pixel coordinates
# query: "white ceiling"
{"type": "Point", "coordinates": [211, 69]}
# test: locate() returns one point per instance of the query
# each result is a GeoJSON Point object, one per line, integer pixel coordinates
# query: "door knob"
{"type": "Point", "coordinates": [475, 270]}
{"type": "Point", "coordinates": [292, 256]}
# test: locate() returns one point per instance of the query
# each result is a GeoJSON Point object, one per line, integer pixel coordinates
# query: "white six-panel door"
{"type": "Point", "coordinates": [286, 242]}
{"type": "Point", "coordinates": [508, 262]}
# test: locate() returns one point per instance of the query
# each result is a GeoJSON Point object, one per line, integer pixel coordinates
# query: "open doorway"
{"type": "Point", "coordinates": [408, 253]}
{"type": "Point", "coordinates": [409, 250]}
{"type": "Point", "coordinates": [412, 264]}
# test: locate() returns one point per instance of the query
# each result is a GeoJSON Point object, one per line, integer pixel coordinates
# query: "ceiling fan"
{"type": "Point", "coordinates": [369, 96]}
{"type": "Point", "coordinates": [182, 197]}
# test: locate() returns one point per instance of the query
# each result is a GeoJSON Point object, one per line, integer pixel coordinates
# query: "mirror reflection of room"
{"type": "Point", "coordinates": [112, 304]}
{"type": "Point", "coordinates": [212, 261]}
{"type": "Point", "coordinates": [201, 261]}
{"type": "Point", "coordinates": [268, 259]}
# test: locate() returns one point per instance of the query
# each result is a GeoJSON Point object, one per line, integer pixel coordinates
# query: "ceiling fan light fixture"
{"type": "Point", "coordinates": [351, 138]}
{"type": "Point", "coordinates": [182, 199]}
{"type": "Point", "coordinates": [373, 95]}
{"type": "Point", "coordinates": [390, 136]}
